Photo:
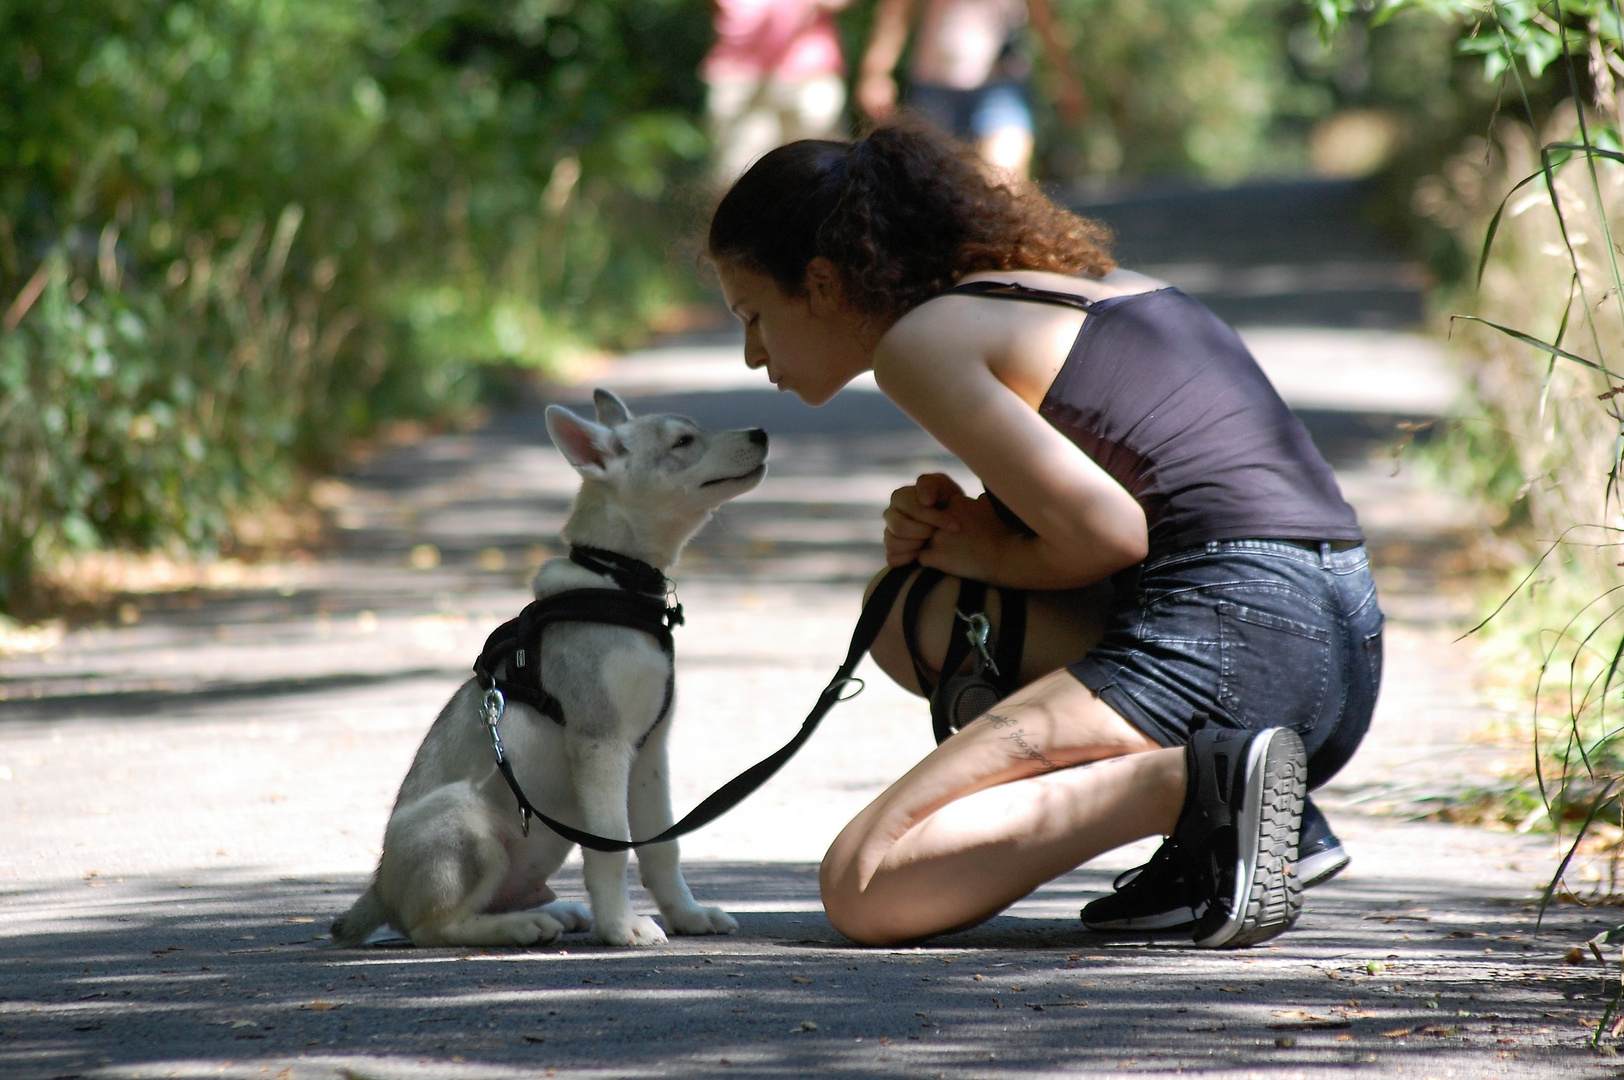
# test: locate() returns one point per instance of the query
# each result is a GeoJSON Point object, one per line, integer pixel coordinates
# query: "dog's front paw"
{"type": "Point", "coordinates": [701, 920]}
{"type": "Point", "coordinates": [570, 915]}
{"type": "Point", "coordinates": [638, 930]}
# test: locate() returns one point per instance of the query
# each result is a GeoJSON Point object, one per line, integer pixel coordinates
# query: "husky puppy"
{"type": "Point", "coordinates": [456, 868]}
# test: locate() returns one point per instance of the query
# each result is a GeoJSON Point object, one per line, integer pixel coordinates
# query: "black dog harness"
{"type": "Point", "coordinates": [511, 660]}
{"type": "Point", "coordinates": [510, 666]}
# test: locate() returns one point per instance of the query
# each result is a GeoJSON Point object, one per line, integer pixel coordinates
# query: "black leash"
{"type": "Point", "coordinates": [729, 794]}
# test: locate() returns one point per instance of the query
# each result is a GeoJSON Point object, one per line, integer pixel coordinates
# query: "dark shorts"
{"type": "Point", "coordinates": [1245, 634]}
{"type": "Point", "coordinates": [975, 113]}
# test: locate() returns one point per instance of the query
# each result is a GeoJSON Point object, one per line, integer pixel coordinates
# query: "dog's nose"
{"type": "Point", "coordinates": [758, 436]}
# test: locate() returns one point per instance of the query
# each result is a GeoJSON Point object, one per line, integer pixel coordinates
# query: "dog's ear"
{"type": "Point", "coordinates": [585, 445]}
{"type": "Point", "coordinates": [612, 412]}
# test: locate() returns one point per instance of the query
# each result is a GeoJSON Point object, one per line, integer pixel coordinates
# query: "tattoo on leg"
{"type": "Point", "coordinates": [1018, 737]}
{"type": "Point", "coordinates": [1032, 753]}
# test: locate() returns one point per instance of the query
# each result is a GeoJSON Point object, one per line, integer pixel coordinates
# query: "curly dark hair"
{"type": "Point", "coordinates": [902, 213]}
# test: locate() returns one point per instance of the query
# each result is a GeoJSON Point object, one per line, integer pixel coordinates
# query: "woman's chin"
{"type": "Point", "coordinates": [813, 398]}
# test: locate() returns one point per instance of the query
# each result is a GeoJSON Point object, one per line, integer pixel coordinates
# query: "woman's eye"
{"type": "Point", "coordinates": [685, 440]}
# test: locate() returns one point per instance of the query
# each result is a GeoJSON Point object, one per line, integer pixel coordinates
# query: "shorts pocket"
{"type": "Point", "coordinates": [1373, 658]}
{"type": "Point", "coordinates": [1273, 671]}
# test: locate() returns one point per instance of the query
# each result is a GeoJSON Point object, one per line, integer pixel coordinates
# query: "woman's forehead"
{"type": "Point", "coordinates": [740, 283]}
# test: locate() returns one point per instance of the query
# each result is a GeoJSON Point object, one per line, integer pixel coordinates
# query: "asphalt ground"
{"type": "Point", "coordinates": [188, 799]}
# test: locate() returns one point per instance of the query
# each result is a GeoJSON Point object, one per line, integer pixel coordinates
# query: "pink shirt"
{"type": "Point", "coordinates": [785, 39]}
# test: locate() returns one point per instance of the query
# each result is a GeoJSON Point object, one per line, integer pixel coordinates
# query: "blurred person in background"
{"type": "Point", "coordinates": [775, 75]}
{"type": "Point", "coordinates": [968, 74]}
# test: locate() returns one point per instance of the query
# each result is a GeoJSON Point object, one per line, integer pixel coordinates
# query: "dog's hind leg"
{"type": "Point", "coordinates": [649, 802]}
{"type": "Point", "coordinates": [570, 915]}
{"type": "Point", "coordinates": [445, 858]}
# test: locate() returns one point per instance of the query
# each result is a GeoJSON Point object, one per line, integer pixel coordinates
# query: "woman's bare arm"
{"type": "Point", "coordinates": [876, 78]}
{"type": "Point", "coordinates": [937, 364]}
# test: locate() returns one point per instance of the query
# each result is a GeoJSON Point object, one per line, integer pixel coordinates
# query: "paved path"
{"type": "Point", "coordinates": [188, 801]}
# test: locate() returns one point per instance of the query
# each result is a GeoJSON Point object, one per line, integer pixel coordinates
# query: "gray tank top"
{"type": "Point", "coordinates": [1165, 397]}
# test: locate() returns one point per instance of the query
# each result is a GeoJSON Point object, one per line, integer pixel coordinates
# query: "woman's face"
{"type": "Point", "coordinates": [811, 344]}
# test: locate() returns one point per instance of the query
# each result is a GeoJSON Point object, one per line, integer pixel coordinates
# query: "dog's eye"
{"type": "Point", "coordinates": [685, 440]}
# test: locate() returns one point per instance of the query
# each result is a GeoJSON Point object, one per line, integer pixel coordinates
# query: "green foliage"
{"type": "Point", "coordinates": [1239, 87]}
{"type": "Point", "coordinates": [1544, 343]}
{"type": "Point", "coordinates": [1504, 33]}
{"type": "Point", "coordinates": [258, 228]}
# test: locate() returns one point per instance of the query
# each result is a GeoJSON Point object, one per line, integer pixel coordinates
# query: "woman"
{"type": "Point", "coordinates": [1202, 631]}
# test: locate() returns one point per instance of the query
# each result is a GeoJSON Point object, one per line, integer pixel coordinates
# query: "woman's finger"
{"type": "Point", "coordinates": [935, 489]}
{"type": "Point", "coordinates": [905, 503]}
{"type": "Point", "coordinates": [904, 525]}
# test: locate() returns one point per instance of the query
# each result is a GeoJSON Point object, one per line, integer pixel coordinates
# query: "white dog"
{"type": "Point", "coordinates": [456, 867]}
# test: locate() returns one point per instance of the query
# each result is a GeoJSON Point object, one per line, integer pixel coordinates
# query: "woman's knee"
{"type": "Point", "coordinates": [841, 893]}
{"type": "Point", "coordinates": [853, 910]}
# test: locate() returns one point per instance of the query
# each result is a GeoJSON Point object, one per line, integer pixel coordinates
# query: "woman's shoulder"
{"type": "Point", "coordinates": [1118, 282]}
{"type": "Point", "coordinates": [966, 325]}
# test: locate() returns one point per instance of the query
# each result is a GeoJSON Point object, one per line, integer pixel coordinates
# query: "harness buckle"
{"type": "Point", "coordinates": [978, 629]}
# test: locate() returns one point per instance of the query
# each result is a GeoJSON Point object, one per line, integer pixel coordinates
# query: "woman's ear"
{"type": "Point", "coordinates": [824, 289]}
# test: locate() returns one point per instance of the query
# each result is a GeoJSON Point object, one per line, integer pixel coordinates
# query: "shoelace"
{"type": "Point", "coordinates": [1165, 860]}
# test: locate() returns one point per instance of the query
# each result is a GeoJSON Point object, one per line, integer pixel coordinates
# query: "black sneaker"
{"type": "Point", "coordinates": [1155, 896]}
{"type": "Point", "coordinates": [1238, 830]}
{"type": "Point", "coordinates": [1320, 855]}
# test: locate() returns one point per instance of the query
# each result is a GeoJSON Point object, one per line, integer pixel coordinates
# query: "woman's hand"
{"type": "Point", "coordinates": [934, 522]}
{"type": "Point", "coordinates": [916, 514]}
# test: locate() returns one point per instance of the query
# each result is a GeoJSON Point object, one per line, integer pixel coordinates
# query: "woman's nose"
{"type": "Point", "coordinates": [755, 356]}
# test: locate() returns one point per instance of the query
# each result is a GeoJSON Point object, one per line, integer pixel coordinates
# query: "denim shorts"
{"type": "Point", "coordinates": [1245, 634]}
{"type": "Point", "coordinates": [975, 113]}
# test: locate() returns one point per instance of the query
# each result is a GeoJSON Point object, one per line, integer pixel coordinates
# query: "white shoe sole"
{"type": "Point", "coordinates": [1268, 895]}
{"type": "Point", "coordinates": [1161, 920]}
{"type": "Point", "coordinates": [1322, 866]}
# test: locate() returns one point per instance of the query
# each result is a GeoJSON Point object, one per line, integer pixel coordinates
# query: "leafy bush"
{"type": "Point", "coordinates": [1542, 340]}
{"type": "Point", "coordinates": [236, 233]}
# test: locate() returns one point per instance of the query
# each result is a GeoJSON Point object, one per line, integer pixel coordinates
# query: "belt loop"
{"type": "Point", "coordinates": [1325, 554]}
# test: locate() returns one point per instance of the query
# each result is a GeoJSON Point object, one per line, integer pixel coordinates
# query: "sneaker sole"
{"type": "Point", "coordinates": [1268, 894]}
{"type": "Point", "coordinates": [1177, 919]}
{"type": "Point", "coordinates": [1322, 866]}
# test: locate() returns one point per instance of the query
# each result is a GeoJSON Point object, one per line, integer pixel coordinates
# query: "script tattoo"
{"type": "Point", "coordinates": [1018, 737]}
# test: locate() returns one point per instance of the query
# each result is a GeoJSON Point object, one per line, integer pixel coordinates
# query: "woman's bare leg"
{"type": "Point", "coordinates": [1047, 780]}
{"type": "Point", "coordinates": [1060, 628]}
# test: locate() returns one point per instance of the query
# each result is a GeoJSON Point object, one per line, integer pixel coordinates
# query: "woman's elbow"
{"type": "Point", "coordinates": [1132, 549]}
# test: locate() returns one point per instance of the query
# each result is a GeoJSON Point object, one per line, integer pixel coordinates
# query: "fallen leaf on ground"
{"type": "Point", "coordinates": [321, 1006]}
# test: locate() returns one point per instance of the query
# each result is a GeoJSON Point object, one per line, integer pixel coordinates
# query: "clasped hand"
{"type": "Point", "coordinates": [933, 521]}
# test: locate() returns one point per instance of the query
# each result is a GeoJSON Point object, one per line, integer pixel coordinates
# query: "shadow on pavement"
{"type": "Point", "coordinates": [231, 976]}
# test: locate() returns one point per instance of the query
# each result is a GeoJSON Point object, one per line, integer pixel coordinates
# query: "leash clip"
{"type": "Point", "coordinates": [978, 629]}
{"type": "Point", "coordinates": [491, 707]}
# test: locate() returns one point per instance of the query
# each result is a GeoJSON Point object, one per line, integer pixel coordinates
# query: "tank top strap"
{"type": "Point", "coordinates": [1010, 290]}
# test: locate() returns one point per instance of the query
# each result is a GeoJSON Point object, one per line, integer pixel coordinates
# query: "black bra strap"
{"type": "Point", "coordinates": [1010, 290]}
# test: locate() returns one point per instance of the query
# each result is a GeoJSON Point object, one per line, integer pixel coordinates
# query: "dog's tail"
{"type": "Point", "coordinates": [356, 925]}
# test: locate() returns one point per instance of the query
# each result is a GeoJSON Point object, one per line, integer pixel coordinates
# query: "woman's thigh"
{"type": "Point", "coordinates": [1060, 627]}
